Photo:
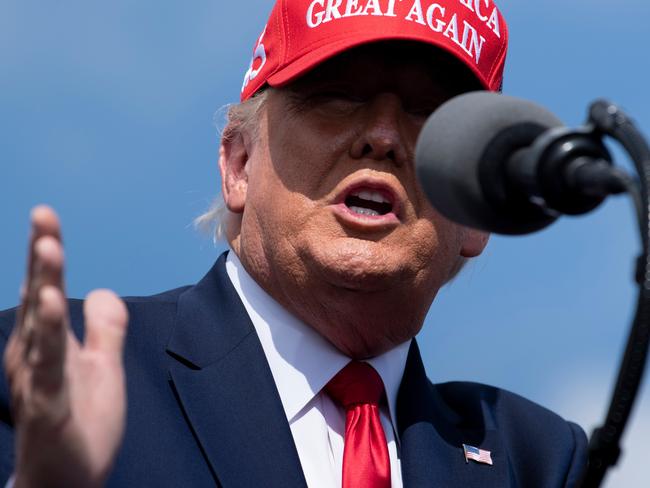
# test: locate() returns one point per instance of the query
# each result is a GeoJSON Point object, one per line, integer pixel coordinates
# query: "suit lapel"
{"type": "Point", "coordinates": [227, 391]}
{"type": "Point", "coordinates": [432, 434]}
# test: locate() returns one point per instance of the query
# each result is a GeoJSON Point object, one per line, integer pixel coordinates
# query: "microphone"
{"type": "Point", "coordinates": [506, 165]}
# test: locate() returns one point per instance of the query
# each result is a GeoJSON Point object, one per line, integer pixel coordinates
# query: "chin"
{"type": "Point", "coordinates": [358, 265]}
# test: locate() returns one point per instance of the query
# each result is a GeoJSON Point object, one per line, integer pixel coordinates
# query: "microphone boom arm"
{"type": "Point", "coordinates": [604, 445]}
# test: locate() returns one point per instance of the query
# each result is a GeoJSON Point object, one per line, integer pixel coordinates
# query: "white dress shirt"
{"type": "Point", "coordinates": [302, 363]}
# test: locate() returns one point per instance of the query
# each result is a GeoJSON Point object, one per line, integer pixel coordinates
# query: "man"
{"type": "Point", "coordinates": [292, 362]}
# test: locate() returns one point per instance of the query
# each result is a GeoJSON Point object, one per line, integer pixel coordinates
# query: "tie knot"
{"type": "Point", "coordinates": [356, 383]}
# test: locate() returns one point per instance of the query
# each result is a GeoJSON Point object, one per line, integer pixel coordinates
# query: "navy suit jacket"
{"type": "Point", "coordinates": [203, 409]}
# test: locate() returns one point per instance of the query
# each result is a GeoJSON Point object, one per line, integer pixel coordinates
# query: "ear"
{"type": "Point", "coordinates": [233, 158]}
{"type": "Point", "coordinates": [473, 242]}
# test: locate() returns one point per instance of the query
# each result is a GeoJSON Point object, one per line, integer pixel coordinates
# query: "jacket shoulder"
{"type": "Point", "coordinates": [469, 398]}
{"type": "Point", "coordinates": [524, 428]}
{"type": "Point", "coordinates": [141, 308]}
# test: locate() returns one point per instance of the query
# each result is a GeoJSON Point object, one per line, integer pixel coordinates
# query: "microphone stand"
{"type": "Point", "coordinates": [607, 119]}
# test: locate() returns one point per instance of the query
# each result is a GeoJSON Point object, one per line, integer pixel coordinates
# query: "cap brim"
{"type": "Point", "coordinates": [333, 47]}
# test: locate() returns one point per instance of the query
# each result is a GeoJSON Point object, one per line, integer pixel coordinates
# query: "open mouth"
{"type": "Point", "coordinates": [369, 202]}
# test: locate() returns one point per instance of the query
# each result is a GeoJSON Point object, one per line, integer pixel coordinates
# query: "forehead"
{"type": "Point", "coordinates": [407, 64]}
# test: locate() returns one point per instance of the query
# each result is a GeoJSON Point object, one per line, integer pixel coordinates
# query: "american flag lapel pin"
{"type": "Point", "coordinates": [475, 454]}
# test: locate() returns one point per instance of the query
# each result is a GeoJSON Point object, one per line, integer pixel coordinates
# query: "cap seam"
{"type": "Point", "coordinates": [498, 60]}
{"type": "Point", "coordinates": [493, 72]}
{"type": "Point", "coordinates": [284, 17]}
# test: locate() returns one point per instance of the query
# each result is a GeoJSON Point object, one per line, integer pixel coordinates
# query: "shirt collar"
{"type": "Point", "coordinates": [301, 360]}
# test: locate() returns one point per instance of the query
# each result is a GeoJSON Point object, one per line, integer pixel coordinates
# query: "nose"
{"type": "Point", "coordinates": [383, 135]}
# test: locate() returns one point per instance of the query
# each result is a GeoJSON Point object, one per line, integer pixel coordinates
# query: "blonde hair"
{"type": "Point", "coordinates": [240, 117]}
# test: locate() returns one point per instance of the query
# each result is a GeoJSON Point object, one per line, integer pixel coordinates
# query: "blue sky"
{"type": "Point", "coordinates": [108, 115]}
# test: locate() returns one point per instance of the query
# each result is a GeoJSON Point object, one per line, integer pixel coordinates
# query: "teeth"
{"type": "Point", "coordinates": [373, 196]}
{"type": "Point", "coordinates": [364, 211]}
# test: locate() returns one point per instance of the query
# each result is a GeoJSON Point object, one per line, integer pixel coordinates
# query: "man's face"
{"type": "Point", "coordinates": [334, 223]}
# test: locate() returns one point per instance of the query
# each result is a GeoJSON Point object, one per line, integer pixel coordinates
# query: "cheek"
{"type": "Point", "coordinates": [306, 154]}
{"type": "Point", "coordinates": [282, 215]}
{"type": "Point", "coordinates": [436, 244]}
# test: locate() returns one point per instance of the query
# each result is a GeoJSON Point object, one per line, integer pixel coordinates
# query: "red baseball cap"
{"type": "Point", "coordinates": [301, 34]}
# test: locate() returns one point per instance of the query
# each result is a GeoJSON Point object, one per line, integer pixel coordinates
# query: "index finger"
{"type": "Point", "coordinates": [45, 223]}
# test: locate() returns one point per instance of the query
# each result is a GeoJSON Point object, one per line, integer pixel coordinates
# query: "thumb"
{"type": "Point", "coordinates": [106, 318]}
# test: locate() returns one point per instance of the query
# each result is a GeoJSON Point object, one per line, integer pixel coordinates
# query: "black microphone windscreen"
{"type": "Point", "coordinates": [453, 142]}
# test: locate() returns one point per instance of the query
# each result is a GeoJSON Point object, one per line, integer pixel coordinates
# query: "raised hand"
{"type": "Point", "coordinates": [68, 399]}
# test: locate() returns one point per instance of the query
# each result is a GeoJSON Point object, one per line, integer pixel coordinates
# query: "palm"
{"type": "Point", "coordinates": [98, 402]}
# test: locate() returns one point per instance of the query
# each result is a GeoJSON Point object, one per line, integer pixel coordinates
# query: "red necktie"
{"type": "Point", "coordinates": [358, 388]}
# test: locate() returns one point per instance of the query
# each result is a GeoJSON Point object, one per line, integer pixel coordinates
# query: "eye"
{"type": "Point", "coordinates": [421, 113]}
{"type": "Point", "coordinates": [423, 108]}
{"type": "Point", "coordinates": [334, 94]}
{"type": "Point", "coordinates": [335, 101]}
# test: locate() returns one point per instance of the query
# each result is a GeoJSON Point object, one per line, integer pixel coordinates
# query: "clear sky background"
{"type": "Point", "coordinates": [107, 113]}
